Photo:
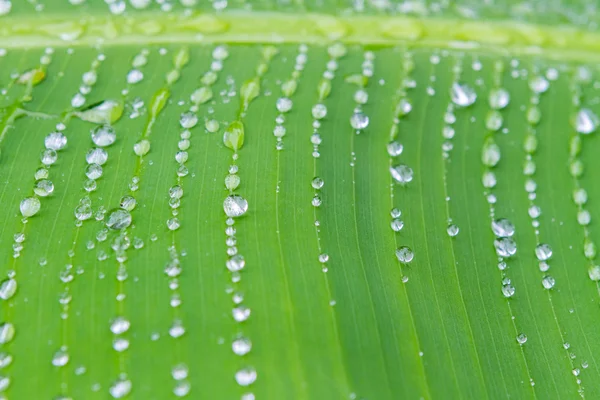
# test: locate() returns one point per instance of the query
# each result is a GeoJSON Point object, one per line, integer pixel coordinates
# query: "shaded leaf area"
{"type": "Point", "coordinates": [328, 307]}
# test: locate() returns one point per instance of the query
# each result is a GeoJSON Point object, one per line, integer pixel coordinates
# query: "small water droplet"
{"type": "Point", "coordinates": [241, 313]}
{"type": "Point", "coordinates": [402, 173]}
{"type": "Point", "coordinates": [241, 346]}
{"type": "Point", "coordinates": [462, 95]}
{"type": "Point", "coordinates": [521, 338]}
{"type": "Point", "coordinates": [543, 252]}
{"type": "Point", "coordinates": [586, 121]}
{"type": "Point", "coordinates": [246, 376]}
{"type": "Point", "coordinates": [30, 206]}
{"type": "Point", "coordinates": [8, 288]}
{"type": "Point", "coordinates": [548, 282]}
{"type": "Point", "coordinates": [359, 120]}
{"type": "Point", "coordinates": [317, 183]}
{"type": "Point", "coordinates": [505, 247]}
{"type": "Point", "coordinates": [319, 111]}
{"type": "Point", "coordinates": [43, 188]}
{"type": "Point", "coordinates": [120, 325]}
{"type": "Point", "coordinates": [121, 388]}
{"type": "Point", "coordinates": [452, 230]}
{"type": "Point", "coordinates": [503, 228]}
{"type": "Point", "coordinates": [7, 332]}
{"type": "Point", "coordinates": [55, 141]}
{"type": "Point", "coordinates": [508, 290]}
{"type": "Point", "coordinates": [103, 135]}
{"type": "Point", "coordinates": [236, 263]}
{"type": "Point", "coordinates": [119, 219]}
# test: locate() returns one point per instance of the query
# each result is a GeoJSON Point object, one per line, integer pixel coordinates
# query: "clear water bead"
{"type": "Point", "coordinates": [119, 326]}
{"type": "Point", "coordinates": [521, 338]}
{"type": "Point", "coordinates": [503, 228]}
{"type": "Point", "coordinates": [188, 120]}
{"type": "Point", "coordinates": [359, 120]}
{"type": "Point", "coordinates": [241, 346]}
{"type": "Point", "coordinates": [586, 121]}
{"type": "Point", "coordinates": [43, 188]}
{"type": "Point", "coordinates": [505, 247]}
{"type": "Point", "coordinates": [405, 254]}
{"type": "Point", "coordinates": [452, 230]}
{"type": "Point", "coordinates": [317, 183]}
{"type": "Point", "coordinates": [30, 206]}
{"type": "Point", "coordinates": [96, 156]}
{"type": "Point", "coordinates": [103, 135]}
{"type": "Point", "coordinates": [7, 332]}
{"type": "Point", "coordinates": [508, 290]}
{"type": "Point", "coordinates": [543, 252]}
{"type": "Point", "coordinates": [235, 206]}
{"type": "Point", "coordinates": [402, 173]}
{"type": "Point", "coordinates": [128, 203]}
{"type": "Point", "coordinates": [236, 263]}
{"type": "Point", "coordinates": [119, 219]}
{"type": "Point", "coordinates": [179, 372]}
{"type": "Point", "coordinates": [499, 98]}
{"type": "Point", "coordinates": [55, 141]}
{"type": "Point", "coordinates": [93, 171]}
{"type": "Point", "coordinates": [8, 288]}
{"type": "Point", "coordinates": [120, 389]}
{"type": "Point", "coordinates": [397, 225]}
{"type": "Point", "coordinates": [319, 111]}
{"type": "Point", "coordinates": [548, 282]}
{"type": "Point", "coordinates": [284, 104]}
{"type": "Point", "coordinates": [462, 95]}
{"type": "Point", "coordinates": [245, 376]}
{"type": "Point", "coordinates": [395, 148]}
{"type": "Point", "coordinates": [48, 157]}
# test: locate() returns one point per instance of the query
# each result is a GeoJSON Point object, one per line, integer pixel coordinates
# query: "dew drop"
{"type": "Point", "coordinates": [499, 98]}
{"type": "Point", "coordinates": [394, 149]}
{"type": "Point", "coordinates": [236, 263]}
{"type": "Point", "coordinates": [505, 247]}
{"type": "Point", "coordinates": [7, 332]}
{"type": "Point", "coordinates": [586, 121]}
{"type": "Point", "coordinates": [188, 120]}
{"type": "Point", "coordinates": [121, 388]}
{"type": "Point", "coordinates": [246, 376]}
{"type": "Point", "coordinates": [284, 104]}
{"type": "Point", "coordinates": [397, 225]}
{"type": "Point", "coordinates": [60, 358]}
{"type": "Point", "coordinates": [452, 230]}
{"type": "Point", "coordinates": [119, 326]}
{"type": "Point", "coordinates": [118, 219]}
{"type": "Point", "coordinates": [8, 288]}
{"type": "Point", "coordinates": [241, 346]}
{"type": "Point", "coordinates": [359, 120]}
{"type": "Point", "coordinates": [103, 135]}
{"type": "Point", "coordinates": [241, 313]}
{"type": "Point", "coordinates": [30, 206]}
{"type": "Point", "coordinates": [93, 171]}
{"type": "Point", "coordinates": [49, 157]}
{"type": "Point", "coordinates": [405, 254]}
{"type": "Point", "coordinates": [141, 148]}
{"type": "Point", "coordinates": [462, 95]}
{"type": "Point", "coordinates": [96, 156]}
{"type": "Point", "coordinates": [543, 252]}
{"type": "Point", "coordinates": [508, 290]}
{"type": "Point", "coordinates": [521, 338]}
{"type": "Point", "coordinates": [402, 173]}
{"type": "Point", "coordinates": [503, 228]}
{"type": "Point", "coordinates": [55, 141]}
{"type": "Point", "coordinates": [548, 282]}
{"type": "Point", "coordinates": [317, 183]}
{"type": "Point", "coordinates": [235, 206]}
{"type": "Point", "coordinates": [319, 111]}
{"type": "Point", "coordinates": [594, 273]}
{"type": "Point", "coordinates": [43, 188]}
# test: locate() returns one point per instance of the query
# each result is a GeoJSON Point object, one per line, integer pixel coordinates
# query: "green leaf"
{"type": "Point", "coordinates": [299, 200]}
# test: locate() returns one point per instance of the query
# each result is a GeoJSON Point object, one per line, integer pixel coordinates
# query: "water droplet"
{"type": "Point", "coordinates": [317, 183]}
{"type": "Point", "coordinates": [397, 225]}
{"type": "Point", "coordinates": [8, 288]}
{"type": "Point", "coordinates": [319, 111]}
{"type": "Point", "coordinates": [584, 217]}
{"type": "Point", "coordinates": [103, 135]}
{"type": "Point", "coordinates": [395, 213]}
{"type": "Point", "coordinates": [236, 263]}
{"type": "Point", "coordinates": [548, 282]}
{"type": "Point", "coordinates": [119, 326]}
{"type": "Point", "coordinates": [188, 120]}
{"type": "Point", "coordinates": [60, 358]}
{"type": "Point", "coordinates": [402, 173]}
{"type": "Point", "coordinates": [128, 203]}
{"type": "Point", "coordinates": [55, 141]}
{"type": "Point", "coordinates": [96, 156]}
{"type": "Point", "coordinates": [43, 188]}
{"type": "Point", "coordinates": [452, 230]}
{"type": "Point", "coordinates": [5, 360]}
{"type": "Point", "coordinates": [118, 219]}
{"type": "Point", "coordinates": [232, 182]}
{"type": "Point", "coordinates": [41, 173]}
{"type": "Point", "coordinates": [490, 154]}
{"type": "Point", "coordinates": [83, 212]}
{"type": "Point", "coordinates": [586, 121]}
{"type": "Point", "coordinates": [173, 223]}
{"type": "Point", "coordinates": [245, 376]}
{"type": "Point", "coordinates": [7, 332]}
{"type": "Point", "coordinates": [358, 120]}
{"type": "Point", "coordinates": [462, 95]}
{"type": "Point", "coordinates": [120, 388]}
{"type": "Point", "coordinates": [543, 252]}
{"type": "Point", "coordinates": [505, 247]}
{"type": "Point", "coordinates": [503, 228]}
{"type": "Point", "coordinates": [241, 313]}
{"type": "Point", "coordinates": [48, 157]}
{"type": "Point", "coordinates": [521, 338]}
{"type": "Point", "coordinates": [120, 344]}
{"type": "Point", "coordinates": [405, 254]}
{"type": "Point", "coordinates": [508, 290]}
{"type": "Point", "coordinates": [141, 148]}
{"type": "Point", "coordinates": [235, 206]}
{"type": "Point", "coordinates": [580, 196]}
{"type": "Point", "coordinates": [211, 125]}
{"type": "Point", "coordinates": [395, 148]}
{"type": "Point", "coordinates": [499, 98]}
{"type": "Point", "coordinates": [539, 84]}
{"type": "Point", "coordinates": [323, 258]}
{"type": "Point", "coordinates": [30, 206]}
{"type": "Point", "coordinates": [284, 104]}
{"type": "Point", "coordinates": [594, 273]}
{"type": "Point", "coordinates": [241, 346]}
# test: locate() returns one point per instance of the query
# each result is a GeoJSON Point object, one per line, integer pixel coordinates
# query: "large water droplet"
{"type": "Point", "coordinates": [505, 247]}
{"type": "Point", "coordinates": [96, 156]}
{"type": "Point", "coordinates": [235, 206]}
{"type": "Point", "coordinates": [120, 388]}
{"type": "Point", "coordinates": [55, 141]}
{"type": "Point", "coordinates": [119, 325]}
{"type": "Point", "coordinates": [43, 188]}
{"type": "Point", "coordinates": [7, 332]}
{"type": "Point", "coordinates": [236, 263]}
{"type": "Point", "coordinates": [358, 120]}
{"type": "Point", "coordinates": [548, 282]}
{"type": "Point", "coordinates": [118, 219]}
{"type": "Point", "coordinates": [462, 95]}
{"type": "Point", "coordinates": [241, 346]}
{"type": "Point", "coordinates": [586, 121]}
{"type": "Point", "coordinates": [104, 135]}
{"type": "Point", "coordinates": [405, 254]}
{"type": "Point", "coordinates": [452, 230]}
{"type": "Point", "coordinates": [30, 206]}
{"type": "Point", "coordinates": [245, 376]}
{"type": "Point", "coordinates": [508, 290]}
{"type": "Point", "coordinates": [503, 228]}
{"type": "Point", "coordinates": [402, 173]}
{"type": "Point", "coordinates": [8, 287]}
{"type": "Point", "coordinates": [543, 252]}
